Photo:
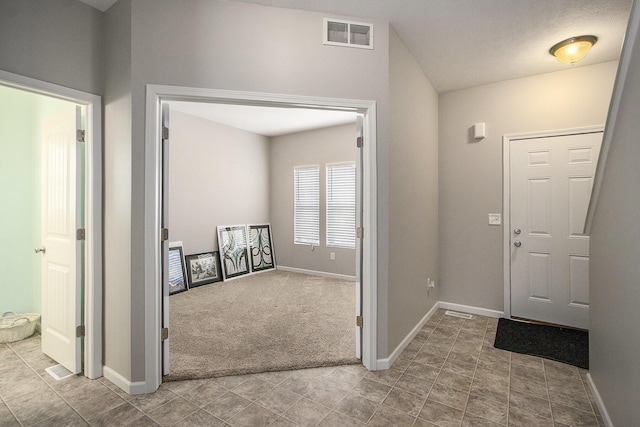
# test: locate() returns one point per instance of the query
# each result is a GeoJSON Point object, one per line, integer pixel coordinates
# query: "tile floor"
{"type": "Point", "coordinates": [449, 375]}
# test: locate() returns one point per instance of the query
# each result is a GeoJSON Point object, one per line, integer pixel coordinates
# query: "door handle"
{"type": "Point", "coordinates": [42, 249]}
{"type": "Point", "coordinates": [517, 243]}
{"type": "Point", "coordinates": [517, 231]}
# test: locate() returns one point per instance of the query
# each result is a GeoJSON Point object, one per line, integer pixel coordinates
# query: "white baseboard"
{"type": "Point", "coordinates": [138, 387]}
{"type": "Point", "coordinates": [596, 395]}
{"type": "Point", "coordinates": [382, 364]}
{"type": "Point", "coordinates": [386, 363]}
{"type": "Point", "coordinates": [470, 309]}
{"type": "Point", "coordinates": [317, 273]}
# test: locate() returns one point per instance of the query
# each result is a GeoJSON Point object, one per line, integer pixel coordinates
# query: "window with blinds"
{"type": "Point", "coordinates": [306, 205]}
{"type": "Point", "coordinates": [341, 205]}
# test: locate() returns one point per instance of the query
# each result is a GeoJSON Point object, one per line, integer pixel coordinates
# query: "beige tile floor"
{"type": "Point", "coordinates": [449, 375]}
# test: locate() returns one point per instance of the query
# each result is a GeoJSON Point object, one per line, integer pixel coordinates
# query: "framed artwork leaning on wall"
{"type": "Point", "coordinates": [261, 250]}
{"type": "Point", "coordinates": [177, 271]}
{"type": "Point", "coordinates": [203, 268]}
{"type": "Point", "coordinates": [232, 244]}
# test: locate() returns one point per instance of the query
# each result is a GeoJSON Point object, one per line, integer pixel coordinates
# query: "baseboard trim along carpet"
{"type": "Point", "coordinates": [317, 273]}
{"type": "Point", "coordinates": [564, 345]}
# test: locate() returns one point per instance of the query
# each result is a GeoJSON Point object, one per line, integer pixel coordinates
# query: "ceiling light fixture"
{"type": "Point", "coordinates": [572, 50]}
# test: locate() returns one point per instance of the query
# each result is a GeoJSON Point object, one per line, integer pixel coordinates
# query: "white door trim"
{"type": "Point", "coordinates": [506, 210]}
{"type": "Point", "coordinates": [158, 93]}
{"type": "Point", "coordinates": [93, 209]}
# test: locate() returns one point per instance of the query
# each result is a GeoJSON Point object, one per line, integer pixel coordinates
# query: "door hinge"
{"type": "Point", "coordinates": [81, 234]}
{"type": "Point", "coordinates": [80, 135]}
{"type": "Point", "coordinates": [164, 334]}
{"type": "Point", "coordinates": [165, 132]}
{"type": "Point", "coordinates": [80, 331]}
{"type": "Point", "coordinates": [360, 232]}
{"type": "Point", "coordinates": [359, 142]}
{"type": "Point", "coordinates": [359, 321]}
{"type": "Point", "coordinates": [164, 234]}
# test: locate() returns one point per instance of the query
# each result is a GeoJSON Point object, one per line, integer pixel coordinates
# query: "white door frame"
{"type": "Point", "coordinates": [153, 312]}
{"type": "Point", "coordinates": [506, 197]}
{"type": "Point", "coordinates": [93, 209]}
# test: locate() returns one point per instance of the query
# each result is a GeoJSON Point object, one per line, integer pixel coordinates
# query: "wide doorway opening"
{"type": "Point", "coordinates": [247, 230]}
{"type": "Point", "coordinates": [262, 208]}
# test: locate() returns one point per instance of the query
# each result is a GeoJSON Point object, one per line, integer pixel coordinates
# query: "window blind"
{"type": "Point", "coordinates": [341, 206]}
{"type": "Point", "coordinates": [306, 205]}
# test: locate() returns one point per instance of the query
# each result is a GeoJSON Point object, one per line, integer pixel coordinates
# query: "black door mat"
{"type": "Point", "coordinates": [564, 345]}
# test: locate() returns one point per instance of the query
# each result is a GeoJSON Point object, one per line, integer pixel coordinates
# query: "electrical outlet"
{"type": "Point", "coordinates": [431, 284]}
{"type": "Point", "coordinates": [332, 256]}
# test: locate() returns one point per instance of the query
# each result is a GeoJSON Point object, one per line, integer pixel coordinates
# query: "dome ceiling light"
{"type": "Point", "coordinates": [572, 50]}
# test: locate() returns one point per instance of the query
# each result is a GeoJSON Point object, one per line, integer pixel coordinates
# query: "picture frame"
{"type": "Point", "coordinates": [234, 255]}
{"type": "Point", "coordinates": [177, 271]}
{"type": "Point", "coordinates": [203, 268]}
{"type": "Point", "coordinates": [261, 252]}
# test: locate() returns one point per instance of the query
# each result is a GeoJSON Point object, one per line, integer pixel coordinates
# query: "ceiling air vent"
{"type": "Point", "coordinates": [347, 33]}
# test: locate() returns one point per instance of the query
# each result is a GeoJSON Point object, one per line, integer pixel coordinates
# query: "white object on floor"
{"type": "Point", "coordinates": [59, 372]}
{"type": "Point", "coordinates": [456, 314]}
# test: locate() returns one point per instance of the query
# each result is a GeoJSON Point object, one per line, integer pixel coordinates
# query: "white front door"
{"type": "Point", "coordinates": [61, 251]}
{"type": "Point", "coordinates": [551, 180]}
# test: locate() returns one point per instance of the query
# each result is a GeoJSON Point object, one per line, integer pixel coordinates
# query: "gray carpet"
{"type": "Point", "coordinates": [270, 321]}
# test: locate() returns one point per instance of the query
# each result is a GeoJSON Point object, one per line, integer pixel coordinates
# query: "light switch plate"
{"type": "Point", "coordinates": [495, 219]}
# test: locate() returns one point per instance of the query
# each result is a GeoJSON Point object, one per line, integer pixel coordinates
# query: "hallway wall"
{"type": "Point", "coordinates": [614, 282]}
{"type": "Point", "coordinates": [57, 41]}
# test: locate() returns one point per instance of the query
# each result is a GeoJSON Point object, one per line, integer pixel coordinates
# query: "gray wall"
{"type": "Point", "coordinates": [218, 175]}
{"type": "Point", "coordinates": [614, 336]}
{"type": "Point", "coordinates": [471, 265]}
{"type": "Point", "coordinates": [57, 41]}
{"type": "Point", "coordinates": [413, 194]}
{"type": "Point", "coordinates": [272, 50]}
{"type": "Point", "coordinates": [316, 147]}
{"type": "Point", "coordinates": [117, 193]}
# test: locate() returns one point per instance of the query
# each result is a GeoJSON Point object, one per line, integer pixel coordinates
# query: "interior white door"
{"type": "Point", "coordinates": [61, 251]}
{"type": "Point", "coordinates": [551, 180]}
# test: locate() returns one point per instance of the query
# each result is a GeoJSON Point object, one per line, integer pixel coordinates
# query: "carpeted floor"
{"type": "Point", "coordinates": [270, 321]}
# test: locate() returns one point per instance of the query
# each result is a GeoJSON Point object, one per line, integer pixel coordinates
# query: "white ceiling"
{"type": "Point", "coordinates": [267, 121]}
